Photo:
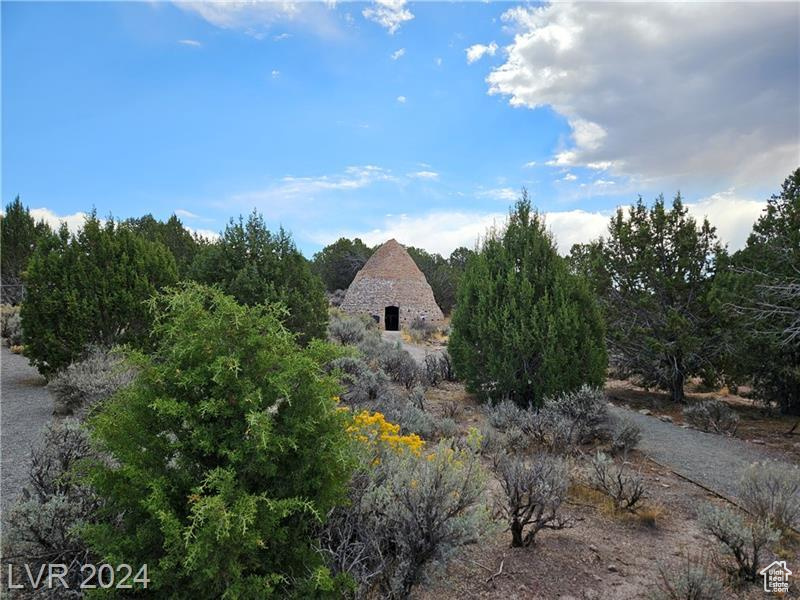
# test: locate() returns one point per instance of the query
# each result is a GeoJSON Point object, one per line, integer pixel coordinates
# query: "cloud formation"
{"type": "Point", "coordinates": [389, 14]}
{"type": "Point", "coordinates": [669, 90]}
{"type": "Point", "coordinates": [477, 51]}
{"type": "Point", "coordinates": [397, 54]}
{"type": "Point", "coordinates": [193, 43]}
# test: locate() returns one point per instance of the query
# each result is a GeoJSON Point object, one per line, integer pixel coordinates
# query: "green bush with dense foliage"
{"type": "Point", "coordinates": [256, 266]}
{"type": "Point", "coordinates": [90, 288]}
{"type": "Point", "coordinates": [338, 263]}
{"type": "Point", "coordinates": [758, 303]}
{"type": "Point", "coordinates": [654, 274]}
{"type": "Point", "coordinates": [524, 328]}
{"type": "Point", "coordinates": [179, 241]}
{"type": "Point", "coordinates": [225, 454]}
{"type": "Point", "coordinates": [19, 236]}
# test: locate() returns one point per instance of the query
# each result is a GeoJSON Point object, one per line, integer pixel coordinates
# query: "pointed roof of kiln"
{"type": "Point", "coordinates": [390, 261]}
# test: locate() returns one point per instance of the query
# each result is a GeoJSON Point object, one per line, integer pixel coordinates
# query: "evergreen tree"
{"type": "Point", "coordinates": [227, 453]}
{"type": "Point", "coordinates": [256, 266]}
{"type": "Point", "coordinates": [19, 236]}
{"type": "Point", "coordinates": [90, 289]}
{"type": "Point", "coordinates": [758, 300]}
{"type": "Point", "coordinates": [338, 263]}
{"type": "Point", "coordinates": [656, 272]}
{"type": "Point", "coordinates": [178, 240]}
{"type": "Point", "coordinates": [524, 328]}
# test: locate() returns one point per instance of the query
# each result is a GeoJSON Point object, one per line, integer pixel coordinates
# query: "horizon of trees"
{"type": "Point", "coordinates": [675, 303]}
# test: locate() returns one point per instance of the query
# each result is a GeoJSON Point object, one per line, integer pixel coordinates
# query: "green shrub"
{"type": "Point", "coordinates": [83, 384]}
{"type": "Point", "coordinates": [744, 542]}
{"type": "Point", "coordinates": [770, 490]}
{"type": "Point", "coordinates": [693, 581]}
{"type": "Point", "coordinates": [11, 325]}
{"type": "Point", "coordinates": [533, 492]}
{"type": "Point", "coordinates": [257, 266]}
{"type": "Point", "coordinates": [407, 515]}
{"type": "Point", "coordinates": [226, 453]}
{"type": "Point", "coordinates": [625, 489]}
{"type": "Point", "coordinates": [90, 289]}
{"type": "Point", "coordinates": [43, 527]}
{"type": "Point", "coordinates": [712, 415]}
{"type": "Point", "coordinates": [524, 328]}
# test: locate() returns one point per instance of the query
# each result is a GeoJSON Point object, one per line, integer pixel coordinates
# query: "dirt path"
{"type": "Point", "coordinates": [714, 461]}
{"type": "Point", "coordinates": [25, 407]}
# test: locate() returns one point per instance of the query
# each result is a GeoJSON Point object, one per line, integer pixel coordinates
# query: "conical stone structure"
{"type": "Point", "coordinates": [392, 290]}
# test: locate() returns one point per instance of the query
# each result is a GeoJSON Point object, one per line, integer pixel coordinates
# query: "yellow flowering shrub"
{"type": "Point", "coordinates": [374, 430]}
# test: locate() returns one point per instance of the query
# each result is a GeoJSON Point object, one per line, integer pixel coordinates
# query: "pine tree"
{"type": "Point", "coordinates": [226, 455]}
{"type": "Point", "coordinates": [90, 288]}
{"type": "Point", "coordinates": [178, 240]}
{"type": "Point", "coordinates": [524, 328]}
{"type": "Point", "coordinates": [256, 266]}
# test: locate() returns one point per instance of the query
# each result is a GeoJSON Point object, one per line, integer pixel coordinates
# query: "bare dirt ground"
{"type": "Point", "coordinates": [605, 555]}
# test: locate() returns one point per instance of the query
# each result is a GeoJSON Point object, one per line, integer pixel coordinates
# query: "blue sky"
{"type": "Point", "coordinates": [419, 121]}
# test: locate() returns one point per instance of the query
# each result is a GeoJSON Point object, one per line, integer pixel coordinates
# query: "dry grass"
{"type": "Point", "coordinates": [18, 349]}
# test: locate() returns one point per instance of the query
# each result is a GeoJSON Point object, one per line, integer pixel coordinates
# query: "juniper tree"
{"type": "Point", "coordinates": [524, 328]}
{"type": "Point", "coordinates": [224, 455]}
{"type": "Point", "coordinates": [338, 263]}
{"type": "Point", "coordinates": [656, 269]}
{"type": "Point", "coordinates": [257, 266]}
{"type": "Point", "coordinates": [758, 302]}
{"type": "Point", "coordinates": [19, 236]}
{"type": "Point", "coordinates": [90, 288]}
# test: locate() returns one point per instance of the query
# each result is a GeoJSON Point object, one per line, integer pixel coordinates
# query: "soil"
{"type": "Point", "coordinates": [604, 555]}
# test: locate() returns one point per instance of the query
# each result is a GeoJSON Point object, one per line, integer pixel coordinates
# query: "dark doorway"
{"type": "Point", "coordinates": [392, 318]}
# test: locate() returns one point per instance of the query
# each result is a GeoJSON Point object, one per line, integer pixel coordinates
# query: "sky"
{"type": "Point", "coordinates": [392, 119]}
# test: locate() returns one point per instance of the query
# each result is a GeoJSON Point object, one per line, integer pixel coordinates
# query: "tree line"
{"type": "Point", "coordinates": [658, 298]}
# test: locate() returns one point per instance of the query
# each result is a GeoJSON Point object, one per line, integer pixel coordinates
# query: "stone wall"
{"type": "Point", "coordinates": [371, 296]}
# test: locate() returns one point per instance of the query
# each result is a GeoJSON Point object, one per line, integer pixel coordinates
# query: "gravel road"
{"type": "Point", "coordinates": [710, 459]}
{"type": "Point", "coordinates": [25, 407]}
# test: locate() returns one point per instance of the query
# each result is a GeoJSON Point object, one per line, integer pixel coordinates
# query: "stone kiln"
{"type": "Point", "coordinates": [392, 290]}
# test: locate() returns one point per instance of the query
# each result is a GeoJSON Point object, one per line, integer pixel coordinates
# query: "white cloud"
{"type": "Point", "coordinates": [503, 193]}
{"type": "Point", "coordinates": [677, 91]}
{"type": "Point", "coordinates": [732, 215]}
{"type": "Point", "coordinates": [290, 192]}
{"type": "Point", "coordinates": [179, 212]}
{"type": "Point", "coordinates": [275, 73]}
{"type": "Point", "coordinates": [74, 221]}
{"type": "Point", "coordinates": [206, 233]}
{"type": "Point", "coordinates": [424, 175]}
{"type": "Point", "coordinates": [477, 51]}
{"type": "Point", "coordinates": [443, 232]}
{"type": "Point", "coordinates": [193, 43]}
{"type": "Point", "coordinates": [402, 99]}
{"type": "Point", "coordinates": [282, 36]}
{"type": "Point", "coordinates": [256, 18]}
{"type": "Point", "coordinates": [529, 164]}
{"type": "Point", "coordinates": [569, 177]}
{"type": "Point", "coordinates": [390, 14]}
{"type": "Point", "coordinates": [438, 61]}
{"type": "Point", "coordinates": [398, 53]}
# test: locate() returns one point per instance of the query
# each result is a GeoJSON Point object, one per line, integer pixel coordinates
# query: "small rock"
{"type": "Point", "coordinates": [665, 485]}
{"type": "Point", "coordinates": [598, 579]}
{"type": "Point", "coordinates": [591, 595]}
{"type": "Point", "coordinates": [644, 411]}
{"type": "Point", "coordinates": [593, 548]}
{"type": "Point", "coordinates": [760, 442]}
{"type": "Point", "coordinates": [666, 418]}
{"type": "Point", "coordinates": [685, 426]}
{"type": "Point", "coordinates": [613, 569]}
